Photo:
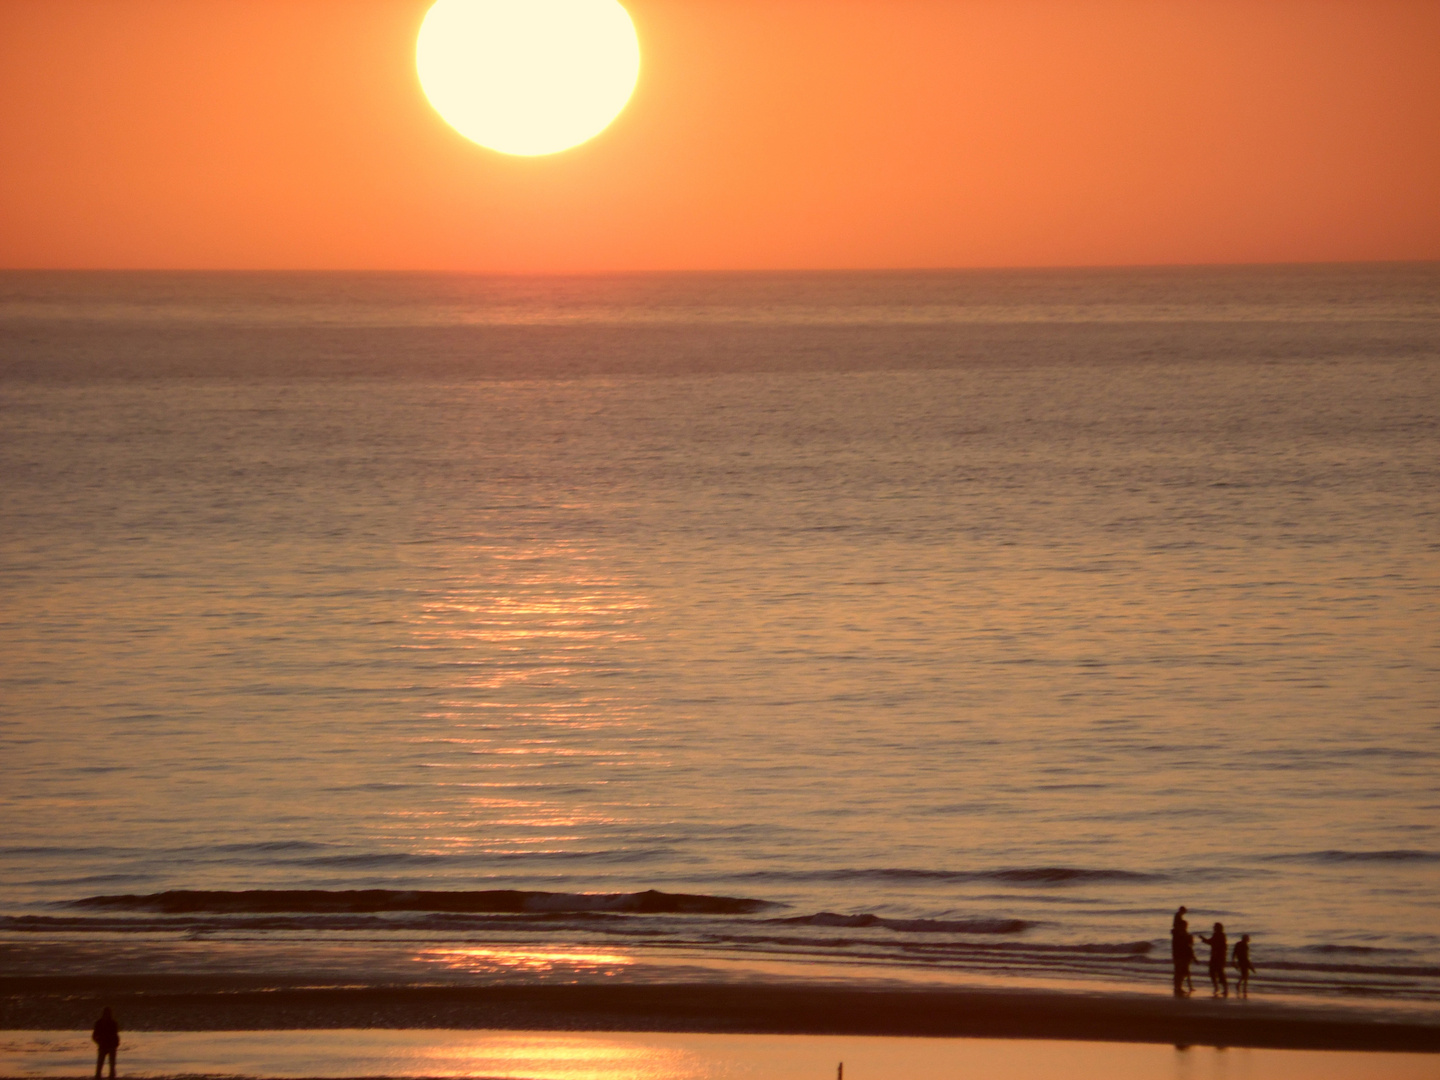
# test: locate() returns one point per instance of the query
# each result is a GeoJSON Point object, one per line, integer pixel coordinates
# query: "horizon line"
{"type": "Point", "coordinates": [714, 271]}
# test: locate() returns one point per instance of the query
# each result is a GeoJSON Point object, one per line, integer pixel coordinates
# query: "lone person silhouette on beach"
{"type": "Point", "coordinates": [106, 1037]}
{"type": "Point", "coordinates": [1180, 949]}
{"type": "Point", "coordinates": [1243, 965]}
{"type": "Point", "coordinates": [1216, 941]}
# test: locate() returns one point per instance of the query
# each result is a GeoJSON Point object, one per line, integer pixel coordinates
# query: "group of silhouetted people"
{"type": "Point", "coordinates": [1182, 952]}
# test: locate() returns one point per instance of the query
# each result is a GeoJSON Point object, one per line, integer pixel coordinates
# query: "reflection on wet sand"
{"type": "Point", "coordinates": [571, 1057]}
{"type": "Point", "coordinates": [533, 1055]}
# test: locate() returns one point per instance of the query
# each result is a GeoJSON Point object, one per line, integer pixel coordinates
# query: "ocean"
{"type": "Point", "coordinates": [907, 627]}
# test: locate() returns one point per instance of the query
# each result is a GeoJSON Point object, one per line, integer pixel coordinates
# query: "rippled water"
{"type": "Point", "coordinates": [973, 621]}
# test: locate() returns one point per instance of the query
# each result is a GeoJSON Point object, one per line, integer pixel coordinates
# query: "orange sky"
{"type": "Point", "coordinates": [762, 134]}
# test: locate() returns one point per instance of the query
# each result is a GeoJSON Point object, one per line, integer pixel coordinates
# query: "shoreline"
{"type": "Point", "coordinates": [199, 1003]}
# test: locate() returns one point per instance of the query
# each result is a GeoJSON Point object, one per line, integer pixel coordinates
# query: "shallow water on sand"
{"type": "Point", "coordinates": [970, 621]}
{"type": "Point", "coordinates": [546, 1055]}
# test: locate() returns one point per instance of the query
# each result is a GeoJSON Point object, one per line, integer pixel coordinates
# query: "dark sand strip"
{"type": "Point", "coordinates": [197, 1003]}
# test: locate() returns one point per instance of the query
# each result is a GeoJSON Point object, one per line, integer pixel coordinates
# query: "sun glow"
{"type": "Point", "coordinates": [528, 77]}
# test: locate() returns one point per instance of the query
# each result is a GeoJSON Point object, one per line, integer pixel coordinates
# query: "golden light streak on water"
{"type": "Point", "coordinates": [518, 635]}
{"type": "Point", "coordinates": [492, 961]}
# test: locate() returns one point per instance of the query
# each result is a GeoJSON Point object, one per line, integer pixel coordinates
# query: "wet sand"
{"type": "Point", "coordinates": [538, 1055]}
{"type": "Point", "coordinates": [199, 1003]}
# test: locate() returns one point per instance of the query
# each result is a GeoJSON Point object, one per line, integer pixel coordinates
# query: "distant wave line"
{"type": "Point", "coordinates": [1037, 875]}
{"type": "Point", "coordinates": [1339, 856]}
{"type": "Point", "coordinates": [913, 926]}
{"type": "Point", "coordinates": [319, 901]}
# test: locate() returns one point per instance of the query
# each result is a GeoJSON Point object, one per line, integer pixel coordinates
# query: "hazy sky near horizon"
{"type": "Point", "coordinates": [279, 134]}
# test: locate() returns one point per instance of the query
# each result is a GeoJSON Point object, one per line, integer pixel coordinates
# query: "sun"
{"type": "Point", "coordinates": [528, 77]}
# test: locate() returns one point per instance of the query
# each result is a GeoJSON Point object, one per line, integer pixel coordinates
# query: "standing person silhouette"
{"type": "Point", "coordinates": [1243, 965]}
{"type": "Point", "coordinates": [1190, 958]}
{"type": "Point", "coordinates": [1180, 948]}
{"type": "Point", "coordinates": [106, 1037]}
{"type": "Point", "coordinates": [1216, 941]}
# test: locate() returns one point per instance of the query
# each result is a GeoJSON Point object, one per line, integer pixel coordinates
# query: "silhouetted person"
{"type": "Point", "coordinates": [1243, 965]}
{"type": "Point", "coordinates": [1216, 941]}
{"type": "Point", "coordinates": [1190, 958]}
{"type": "Point", "coordinates": [106, 1037]}
{"type": "Point", "coordinates": [1179, 947]}
{"type": "Point", "coordinates": [1183, 955]}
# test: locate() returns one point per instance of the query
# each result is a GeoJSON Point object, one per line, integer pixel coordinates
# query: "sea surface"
{"type": "Point", "coordinates": [898, 626]}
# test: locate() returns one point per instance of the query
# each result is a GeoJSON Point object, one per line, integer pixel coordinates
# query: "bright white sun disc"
{"type": "Point", "coordinates": [528, 76]}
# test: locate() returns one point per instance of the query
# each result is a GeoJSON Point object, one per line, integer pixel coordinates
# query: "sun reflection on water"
{"type": "Point", "coordinates": [485, 960]}
{"type": "Point", "coordinates": [526, 645]}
